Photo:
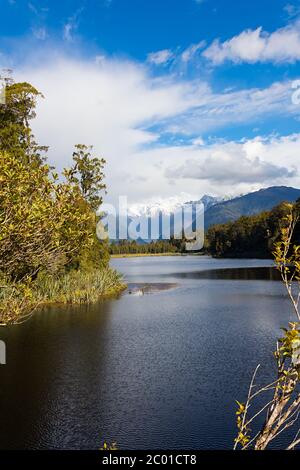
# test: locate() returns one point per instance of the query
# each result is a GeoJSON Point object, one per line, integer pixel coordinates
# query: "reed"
{"type": "Point", "coordinates": [18, 301]}
{"type": "Point", "coordinates": [79, 287]}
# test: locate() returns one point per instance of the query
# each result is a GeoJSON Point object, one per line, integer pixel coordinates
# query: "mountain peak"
{"type": "Point", "coordinates": [249, 204]}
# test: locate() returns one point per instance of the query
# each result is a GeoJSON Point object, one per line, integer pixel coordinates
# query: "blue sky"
{"type": "Point", "coordinates": [182, 97]}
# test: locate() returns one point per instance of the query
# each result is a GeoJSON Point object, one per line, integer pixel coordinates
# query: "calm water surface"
{"type": "Point", "coordinates": [159, 370]}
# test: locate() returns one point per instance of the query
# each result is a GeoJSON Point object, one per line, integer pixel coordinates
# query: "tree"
{"type": "Point", "coordinates": [40, 216]}
{"type": "Point", "coordinates": [44, 223]}
{"type": "Point", "coordinates": [87, 172]}
{"type": "Point", "coordinates": [249, 236]}
{"type": "Point", "coordinates": [282, 411]}
{"type": "Point", "coordinates": [48, 243]}
{"type": "Point", "coordinates": [15, 116]}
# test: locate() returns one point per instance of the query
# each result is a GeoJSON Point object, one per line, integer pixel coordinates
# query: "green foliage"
{"type": "Point", "coordinates": [283, 410]}
{"type": "Point", "coordinates": [77, 287]}
{"type": "Point", "coordinates": [249, 236]}
{"type": "Point", "coordinates": [15, 133]}
{"type": "Point", "coordinates": [47, 223]}
{"type": "Point", "coordinates": [87, 173]}
{"type": "Point", "coordinates": [107, 446]}
{"type": "Point", "coordinates": [44, 224]}
{"type": "Point", "coordinates": [154, 247]}
{"type": "Point", "coordinates": [249, 204]}
{"type": "Point", "coordinates": [243, 436]}
{"type": "Point", "coordinates": [290, 341]}
{"type": "Point", "coordinates": [17, 301]}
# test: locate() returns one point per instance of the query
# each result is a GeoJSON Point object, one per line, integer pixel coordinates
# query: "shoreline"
{"type": "Point", "coordinates": [245, 255]}
{"type": "Point", "coordinates": [145, 255]}
{"type": "Point", "coordinates": [113, 293]}
{"type": "Point", "coordinates": [73, 288]}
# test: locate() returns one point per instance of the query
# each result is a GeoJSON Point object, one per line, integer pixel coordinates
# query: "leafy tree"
{"type": "Point", "coordinates": [43, 223]}
{"type": "Point", "coordinates": [47, 224]}
{"type": "Point", "coordinates": [87, 172]}
{"type": "Point", "coordinates": [15, 116]}
{"type": "Point", "coordinates": [282, 410]}
{"type": "Point", "coordinates": [134, 247]}
{"type": "Point", "coordinates": [251, 236]}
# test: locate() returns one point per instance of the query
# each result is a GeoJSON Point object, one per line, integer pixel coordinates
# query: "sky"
{"type": "Point", "coordinates": [181, 97]}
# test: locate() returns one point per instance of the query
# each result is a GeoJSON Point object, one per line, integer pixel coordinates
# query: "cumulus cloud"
{"type": "Point", "coordinates": [230, 163]}
{"type": "Point", "coordinates": [108, 103]}
{"type": "Point", "coordinates": [281, 46]}
{"type": "Point", "coordinates": [125, 112]}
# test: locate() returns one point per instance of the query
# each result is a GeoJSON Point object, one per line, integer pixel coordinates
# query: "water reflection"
{"type": "Point", "coordinates": [158, 370]}
{"type": "Point", "coordinates": [240, 274]}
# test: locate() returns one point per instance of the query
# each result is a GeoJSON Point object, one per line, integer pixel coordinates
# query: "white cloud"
{"type": "Point", "coordinates": [292, 10]}
{"type": "Point", "coordinates": [67, 33]}
{"type": "Point", "coordinates": [189, 53]}
{"type": "Point", "coordinates": [33, 8]}
{"type": "Point", "coordinates": [116, 105]}
{"type": "Point", "coordinates": [109, 104]}
{"type": "Point", "coordinates": [160, 57]}
{"type": "Point", "coordinates": [40, 33]}
{"type": "Point", "coordinates": [199, 142]}
{"type": "Point", "coordinates": [235, 163]}
{"type": "Point", "coordinates": [177, 57]}
{"type": "Point", "coordinates": [224, 167]}
{"type": "Point", "coordinates": [281, 46]}
{"type": "Point", "coordinates": [217, 110]}
{"type": "Point", "coordinates": [71, 26]}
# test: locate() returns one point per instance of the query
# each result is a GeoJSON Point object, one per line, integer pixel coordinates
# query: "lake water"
{"type": "Point", "coordinates": [160, 367]}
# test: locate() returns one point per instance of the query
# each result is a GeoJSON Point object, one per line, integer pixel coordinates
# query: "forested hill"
{"type": "Point", "coordinates": [251, 236]}
{"type": "Point", "coordinates": [250, 204]}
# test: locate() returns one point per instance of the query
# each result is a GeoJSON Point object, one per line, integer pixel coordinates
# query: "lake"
{"type": "Point", "coordinates": [160, 367]}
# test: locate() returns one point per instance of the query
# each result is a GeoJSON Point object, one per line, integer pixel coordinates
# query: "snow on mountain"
{"type": "Point", "coordinates": [169, 205]}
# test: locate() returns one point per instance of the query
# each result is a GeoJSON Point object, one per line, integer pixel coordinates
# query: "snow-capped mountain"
{"type": "Point", "coordinates": [217, 211]}
{"type": "Point", "coordinates": [207, 201]}
{"type": "Point", "coordinates": [170, 205]}
{"type": "Point", "coordinates": [165, 215]}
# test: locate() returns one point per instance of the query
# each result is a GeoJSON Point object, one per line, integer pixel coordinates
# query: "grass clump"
{"type": "Point", "coordinates": [79, 287]}
{"type": "Point", "coordinates": [19, 301]}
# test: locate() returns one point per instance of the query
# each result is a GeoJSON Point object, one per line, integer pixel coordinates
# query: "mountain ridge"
{"type": "Point", "coordinates": [216, 210]}
{"type": "Point", "coordinates": [249, 204]}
